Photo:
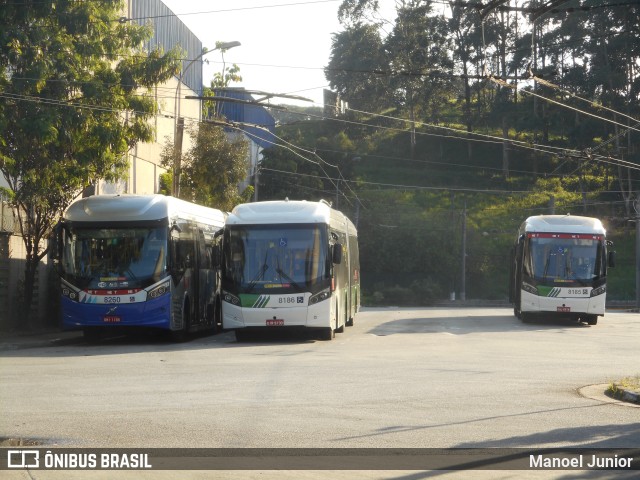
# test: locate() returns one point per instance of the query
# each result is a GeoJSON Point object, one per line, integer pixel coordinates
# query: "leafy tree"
{"type": "Point", "coordinates": [467, 39]}
{"type": "Point", "coordinates": [285, 173]}
{"type": "Point", "coordinates": [212, 168]}
{"type": "Point", "coordinates": [359, 67]}
{"type": "Point", "coordinates": [73, 80]}
{"type": "Point", "coordinates": [419, 48]}
{"type": "Point", "coordinates": [221, 79]}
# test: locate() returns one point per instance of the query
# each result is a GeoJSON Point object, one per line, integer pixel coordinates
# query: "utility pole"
{"type": "Point", "coordinates": [256, 181]}
{"type": "Point", "coordinates": [636, 206]}
{"type": "Point", "coordinates": [179, 120]}
{"type": "Point", "coordinates": [463, 283]}
{"type": "Point", "coordinates": [177, 160]}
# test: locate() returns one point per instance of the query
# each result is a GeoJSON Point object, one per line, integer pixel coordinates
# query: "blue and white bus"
{"type": "Point", "coordinates": [289, 264]}
{"type": "Point", "coordinates": [139, 261]}
{"type": "Point", "coordinates": [559, 268]}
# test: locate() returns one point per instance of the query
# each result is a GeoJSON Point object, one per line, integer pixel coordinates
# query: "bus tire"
{"type": "Point", "coordinates": [351, 318]}
{"type": "Point", "coordinates": [340, 327]}
{"type": "Point", "coordinates": [181, 335]}
{"type": "Point", "coordinates": [327, 334]}
{"type": "Point", "coordinates": [591, 319]}
{"type": "Point", "coordinates": [178, 336]}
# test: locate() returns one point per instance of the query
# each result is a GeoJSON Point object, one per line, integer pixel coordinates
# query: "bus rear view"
{"type": "Point", "coordinates": [559, 268]}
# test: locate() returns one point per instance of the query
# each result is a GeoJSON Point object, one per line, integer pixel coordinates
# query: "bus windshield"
{"type": "Point", "coordinates": [575, 258]}
{"type": "Point", "coordinates": [276, 258]}
{"type": "Point", "coordinates": [115, 257]}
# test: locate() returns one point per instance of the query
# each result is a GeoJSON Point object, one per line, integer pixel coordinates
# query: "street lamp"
{"type": "Point", "coordinates": [179, 121]}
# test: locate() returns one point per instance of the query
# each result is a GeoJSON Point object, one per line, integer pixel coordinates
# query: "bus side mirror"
{"type": "Point", "coordinates": [336, 255]}
{"type": "Point", "coordinates": [611, 260]}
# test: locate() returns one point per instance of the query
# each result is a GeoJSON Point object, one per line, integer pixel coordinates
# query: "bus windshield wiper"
{"type": "Point", "coordinates": [258, 276]}
{"type": "Point", "coordinates": [293, 283]}
{"type": "Point", "coordinates": [546, 267]}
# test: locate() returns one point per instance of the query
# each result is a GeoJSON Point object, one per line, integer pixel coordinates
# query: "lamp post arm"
{"type": "Point", "coordinates": [178, 123]}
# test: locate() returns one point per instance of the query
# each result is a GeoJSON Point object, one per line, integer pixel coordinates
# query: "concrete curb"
{"type": "Point", "coordinates": [624, 395]}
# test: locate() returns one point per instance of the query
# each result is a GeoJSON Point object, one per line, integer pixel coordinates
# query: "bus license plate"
{"type": "Point", "coordinates": [111, 319]}
{"type": "Point", "coordinates": [564, 309]}
{"type": "Point", "coordinates": [275, 323]}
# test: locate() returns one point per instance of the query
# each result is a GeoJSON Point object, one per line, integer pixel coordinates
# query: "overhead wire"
{"type": "Point", "coordinates": [551, 150]}
{"type": "Point", "coordinates": [287, 145]}
{"type": "Point", "coordinates": [551, 100]}
{"type": "Point", "coordinates": [538, 148]}
{"type": "Point", "coordinates": [590, 102]}
{"type": "Point", "coordinates": [540, 12]}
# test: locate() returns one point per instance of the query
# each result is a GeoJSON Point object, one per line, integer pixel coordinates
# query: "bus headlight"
{"type": "Point", "coordinates": [319, 297]}
{"type": "Point", "coordinates": [529, 288]}
{"type": "Point", "coordinates": [159, 290]}
{"type": "Point", "coordinates": [598, 291]}
{"type": "Point", "coordinates": [232, 299]}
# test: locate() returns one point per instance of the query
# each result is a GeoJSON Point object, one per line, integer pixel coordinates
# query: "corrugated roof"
{"type": "Point", "coordinates": [263, 133]}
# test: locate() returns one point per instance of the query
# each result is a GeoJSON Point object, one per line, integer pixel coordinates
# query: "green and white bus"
{"type": "Point", "coordinates": [289, 264]}
{"type": "Point", "coordinates": [559, 268]}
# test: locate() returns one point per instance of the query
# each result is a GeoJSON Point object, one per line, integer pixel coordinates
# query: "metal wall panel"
{"type": "Point", "coordinates": [170, 32]}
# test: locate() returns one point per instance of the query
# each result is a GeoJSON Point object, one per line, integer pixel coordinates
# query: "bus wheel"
{"type": "Point", "coordinates": [591, 320]}
{"type": "Point", "coordinates": [340, 328]}
{"type": "Point", "coordinates": [327, 334]}
{"type": "Point", "coordinates": [178, 336]}
{"type": "Point", "coordinates": [181, 335]}
{"type": "Point", "coordinates": [349, 319]}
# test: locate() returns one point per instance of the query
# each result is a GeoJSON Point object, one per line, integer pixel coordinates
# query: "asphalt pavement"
{"type": "Point", "coordinates": [52, 337]}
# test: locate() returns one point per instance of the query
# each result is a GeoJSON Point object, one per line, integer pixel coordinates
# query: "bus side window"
{"type": "Point", "coordinates": [216, 249]}
{"type": "Point", "coordinates": [182, 251]}
{"type": "Point", "coordinates": [336, 255]}
{"type": "Point", "coordinates": [204, 256]}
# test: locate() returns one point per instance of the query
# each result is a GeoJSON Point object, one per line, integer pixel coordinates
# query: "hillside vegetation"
{"type": "Point", "coordinates": [433, 150]}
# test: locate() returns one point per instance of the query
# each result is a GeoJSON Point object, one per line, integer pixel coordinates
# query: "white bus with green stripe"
{"type": "Point", "coordinates": [559, 268]}
{"type": "Point", "coordinates": [289, 265]}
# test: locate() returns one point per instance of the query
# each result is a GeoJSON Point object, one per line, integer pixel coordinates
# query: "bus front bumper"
{"type": "Point", "coordinates": [312, 316]}
{"type": "Point", "coordinates": [562, 306]}
{"type": "Point", "coordinates": [155, 313]}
